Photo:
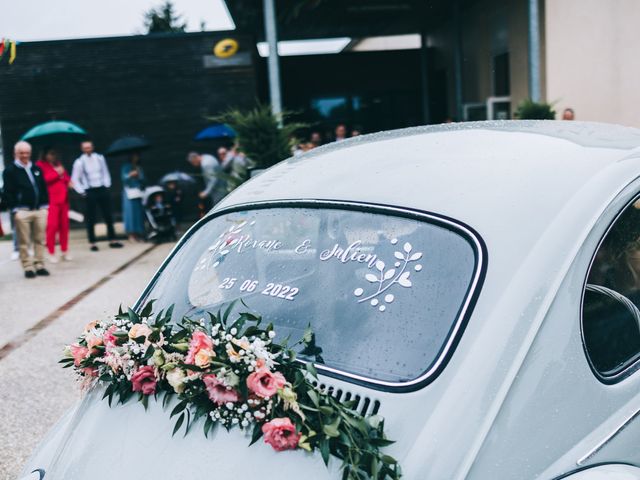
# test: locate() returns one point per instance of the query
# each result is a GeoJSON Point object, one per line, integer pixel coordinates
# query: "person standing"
{"type": "Point", "coordinates": [25, 192]}
{"type": "Point", "coordinates": [215, 188]}
{"type": "Point", "coordinates": [568, 114]}
{"type": "Point", "coordinates": [133, 180]}
{"type": "Point", "coordinates": [91, 179]}
{"type": "Point", "coordinates": [340, 132]}
{"type": "Point", "coordinates": [57, 181]}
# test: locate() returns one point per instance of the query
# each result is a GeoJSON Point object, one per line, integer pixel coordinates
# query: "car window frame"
{"type": "Point", "coordinates": [634, 364]}
{"type": "Point", "coordinates": [465, 311]}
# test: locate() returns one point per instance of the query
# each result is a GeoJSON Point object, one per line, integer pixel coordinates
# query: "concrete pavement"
{"type": "Point", "coordinates": [38, 317]}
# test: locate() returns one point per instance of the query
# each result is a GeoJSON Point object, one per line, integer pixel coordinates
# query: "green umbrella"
{"type": "Point", "coordinates": [54, 130]}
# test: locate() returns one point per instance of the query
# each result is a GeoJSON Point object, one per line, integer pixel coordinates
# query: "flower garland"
{"type": "Point", "coordinates": [230, 373]}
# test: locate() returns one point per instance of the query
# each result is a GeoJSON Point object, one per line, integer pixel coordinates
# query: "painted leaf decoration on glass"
{"type": "Point", "coordinates": [404, 279]}
{"type": "Point", "coordinates": [389, 274]}
{"type": "Point", "coordinates": [398, 255]}
{"type": "Point", "coordinates": [380, 265]}
{"type": "Point", "coordinates": [416, 256]}
{"type": "Point", "coordinates": [371, 277]}
{"type": "Point", "coordinates": [407, 247]}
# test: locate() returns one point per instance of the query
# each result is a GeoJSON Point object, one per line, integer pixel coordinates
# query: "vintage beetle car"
{"type": "Point", "coordinates": [507, 350]}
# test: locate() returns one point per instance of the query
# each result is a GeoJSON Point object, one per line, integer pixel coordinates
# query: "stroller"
{"type": "Point", "coordinates": [159, 212]}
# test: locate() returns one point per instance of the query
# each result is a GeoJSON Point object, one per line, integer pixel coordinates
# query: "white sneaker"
{"type": "Point", "coordinates": [67, 257]}
{"type": "Point", "coordinates": [52, 258]}
{"type": "Point", "coordinates": [15, 255]}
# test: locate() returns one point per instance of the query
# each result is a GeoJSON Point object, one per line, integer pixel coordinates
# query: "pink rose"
{"type": "Point", "coordinates": [90, 371]}
{"type": "Point", "coordinates": [218, 392]}
{"type": "Point", "coordinates": [264, 383]}
{"type": "Point", "coordinates": [93, 341]}
{"type": "Point", "coordinates": [109, 339]}
{"type": "Point", "coordinates": [79, 353]}
{"type": "Point", "coordinates": [144, 380]}
{"type": "Point", "coordinates": [199, 341]}
{"type": "Point", "coordinates": [281, 434]}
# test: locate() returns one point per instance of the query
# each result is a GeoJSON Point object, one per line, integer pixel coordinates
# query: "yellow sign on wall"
{"type": "Point", "coordinates": [225, 48]}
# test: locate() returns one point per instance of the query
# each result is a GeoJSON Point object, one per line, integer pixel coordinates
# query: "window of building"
{"type": "Point", "coordinates": [611, 301]}
{"type": "Point", "coordinates": [501, 83]}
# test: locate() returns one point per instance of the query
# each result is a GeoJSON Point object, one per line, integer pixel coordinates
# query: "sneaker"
{"type": "Point", "coordinates": [30, 274]}
{"type": "Point", "coordinates": [115, 245]}
{"type": "Point", "coordinates": [94, 248]}
{"type": "Point", "coordinates": [66, 256]}
{"type": "Point", "coordinates": [53, 258]}
{"type": "Point", "coordinates": [15, 255]}
{"type": "Point", "coordinates": [43, 272]}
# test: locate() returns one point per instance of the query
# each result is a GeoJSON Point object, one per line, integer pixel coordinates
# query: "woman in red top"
{"type": "Point", "coordinates": [57, 181]}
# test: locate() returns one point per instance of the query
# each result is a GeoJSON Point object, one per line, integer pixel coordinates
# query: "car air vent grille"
{"type": "Point", "coordinates": [364, 405]}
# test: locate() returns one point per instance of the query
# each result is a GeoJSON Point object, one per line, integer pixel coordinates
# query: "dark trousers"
{"type": "Point", "coordinates": [99, 198]}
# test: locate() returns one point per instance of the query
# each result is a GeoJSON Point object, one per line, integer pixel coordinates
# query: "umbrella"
{"type": "Point", "coordinates": [177, 176]}
{"type": "Point", "coordinates": [216, 131]}
{"type": "Point", "coordinates": [128, 144]}
{"type": "Point", "coordinates": [54, 130]}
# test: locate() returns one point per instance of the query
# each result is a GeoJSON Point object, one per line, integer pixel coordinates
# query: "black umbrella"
{"type": "Point", "coordinates": [128, 144]}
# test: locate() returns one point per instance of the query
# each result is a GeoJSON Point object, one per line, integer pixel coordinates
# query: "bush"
{"type": "Point", "coordinates": [530, 110]}
{"type": "Point", "coordinates": [259, 136]}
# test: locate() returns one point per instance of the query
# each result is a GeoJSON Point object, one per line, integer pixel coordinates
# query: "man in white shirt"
{"type": "Point", "coordinates": [91, 179]}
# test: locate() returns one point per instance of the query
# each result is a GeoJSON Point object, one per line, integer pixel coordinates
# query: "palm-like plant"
{"type": "Point", "coordinates": [259, 134]}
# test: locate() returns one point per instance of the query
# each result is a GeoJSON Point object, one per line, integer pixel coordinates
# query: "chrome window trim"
{"type": "Point", "coordinates": [634, 365]}
{"type": "Point", "coordinates": [464, 312]}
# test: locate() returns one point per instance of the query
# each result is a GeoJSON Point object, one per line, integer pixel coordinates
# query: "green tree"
{"type": "Point", "coordinates": [164, 19]}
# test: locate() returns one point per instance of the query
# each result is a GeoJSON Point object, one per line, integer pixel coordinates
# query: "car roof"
{"type": "Point", "coordinates": [476, 172]}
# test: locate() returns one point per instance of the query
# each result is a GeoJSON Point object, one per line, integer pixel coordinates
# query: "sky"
{"type": "Point", "coordinates": [29, 20]}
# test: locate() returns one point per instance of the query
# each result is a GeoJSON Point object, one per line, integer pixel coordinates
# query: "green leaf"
{"type": "Point", "coordinates": [313, 395]}
{"type": "Point", "coordinates": [178, 424]}
{"type": "Point", "coordinates": [324, 451]}
{"type": "Point", "coordinates": [256, 434]}
{"type": "Point", "coordinates": [388, 459]}
{"type": "Point", "coordinates": [311, 369]}
{"type": "Point", "coordinates": [178, 408]}
{"type": "Point", "coordinates": [330, 431]}
{"type": "Point", "coordinates": [148, 308]}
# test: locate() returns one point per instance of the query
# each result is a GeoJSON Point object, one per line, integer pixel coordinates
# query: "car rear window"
{"type": "Point", "coordinates": [385, 291]}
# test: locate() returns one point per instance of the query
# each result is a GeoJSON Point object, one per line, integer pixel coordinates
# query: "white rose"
{"type": "Point", "coordinates": [176, 378]}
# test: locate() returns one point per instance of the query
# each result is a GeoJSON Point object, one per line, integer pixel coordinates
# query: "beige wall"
{"type": "Point", "coordinates": [593, 58]}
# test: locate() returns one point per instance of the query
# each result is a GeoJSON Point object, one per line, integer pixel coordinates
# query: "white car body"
{"type": "Point", "coordinates": [517, 398]}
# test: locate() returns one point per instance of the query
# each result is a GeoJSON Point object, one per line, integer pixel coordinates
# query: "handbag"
{"type": "Point", "coordinates": [133, 193]}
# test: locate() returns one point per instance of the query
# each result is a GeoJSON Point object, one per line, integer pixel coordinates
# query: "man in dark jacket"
{"type": "Point", "coordinates": [26, 195]}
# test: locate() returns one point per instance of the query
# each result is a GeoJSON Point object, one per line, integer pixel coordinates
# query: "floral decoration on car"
{"type": "Point", "coordinates": [386, 278]}
{"type": "Point", "coordinates": [230, 373]}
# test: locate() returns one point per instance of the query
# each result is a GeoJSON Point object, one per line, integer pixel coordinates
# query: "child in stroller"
{"type": "Point", "coordinates": [159, 212]}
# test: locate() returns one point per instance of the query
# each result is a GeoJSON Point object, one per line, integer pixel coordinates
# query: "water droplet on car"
{"type": "Point", "coordinates": [358, 291]}
{"type": "Point", "coordinates": [417, 268]}
{"type": "Point", "coordinates": [389, 298]}
{"type": "Point", "coordinates": [374, 302]}
{"type": "Point", "coordinates": [382, 308]}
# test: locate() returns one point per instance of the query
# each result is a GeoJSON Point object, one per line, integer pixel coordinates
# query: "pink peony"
{"type": "Point", "coordinates": [144, 380]}
{"type": "Point", "coordinates": [109, 339]}
{"type": "Point", "coordinates": [79, 353]}
{"type": "Point", "coordinates": [264, 383]}
{"type": "Point", "coordinates": [218, 392]}
{"type": "Point", "coordinates": [199, 341]}
{"type": "Point", "coordinates": [281, 434]}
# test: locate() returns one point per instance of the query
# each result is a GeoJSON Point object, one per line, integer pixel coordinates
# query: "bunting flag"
{"type": "Point", "coordinates": [12, 52]}
{"type": "Point", "coordinates": [10, 47]}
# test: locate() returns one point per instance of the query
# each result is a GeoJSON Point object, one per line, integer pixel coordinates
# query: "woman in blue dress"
{"type": "Point", "coordinates": [133, 182]}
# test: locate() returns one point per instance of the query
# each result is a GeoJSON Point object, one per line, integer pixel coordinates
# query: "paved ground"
{"type": "Point", "coordinates": [35, 391]}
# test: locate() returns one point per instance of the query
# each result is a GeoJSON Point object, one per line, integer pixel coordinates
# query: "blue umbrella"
{"type": "Point", "coordinates": [54, 130]}
{"type": "Point", "coordinates": [216, 131]}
